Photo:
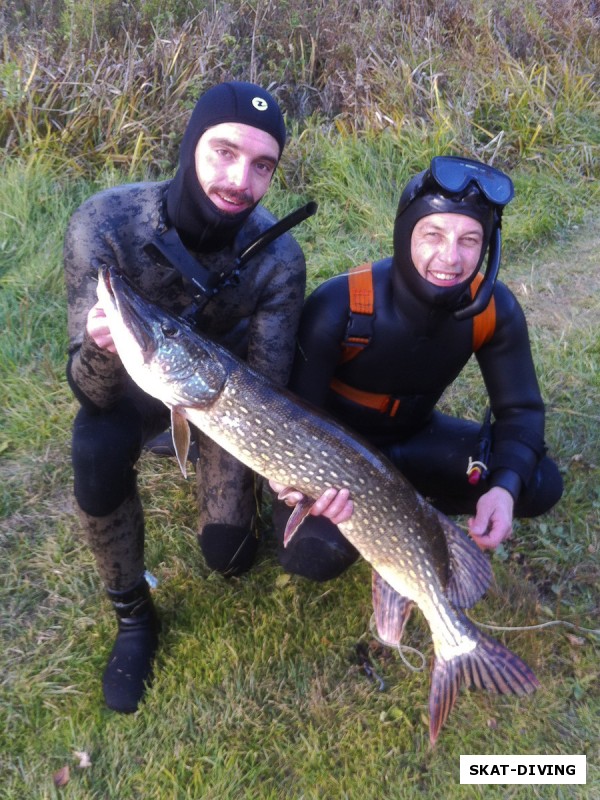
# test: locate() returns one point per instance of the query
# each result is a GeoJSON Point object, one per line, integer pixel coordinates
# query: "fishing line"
{"type": "Point", "coordinates": [539, 626]}
{"type": "Point", "coordinates": [402, 649]}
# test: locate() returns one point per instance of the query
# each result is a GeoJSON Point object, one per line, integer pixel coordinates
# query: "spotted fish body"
{"type": "Point", "coordinates": [419, 556]}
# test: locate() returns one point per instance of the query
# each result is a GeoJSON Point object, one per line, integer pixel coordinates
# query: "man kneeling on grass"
{"type": "Point", "coordinates": [378, 347]}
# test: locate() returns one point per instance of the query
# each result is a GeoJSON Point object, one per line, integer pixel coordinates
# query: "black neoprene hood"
{"type": "Point", "coordinates": [419, 199]}
{"type": "Point", "coordinates": [198, 220]}
{"type": "Point", "coordinates": [245, 103]}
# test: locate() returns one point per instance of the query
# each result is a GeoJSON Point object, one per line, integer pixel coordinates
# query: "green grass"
{"type": "Point", "coordinates": [258, 693]}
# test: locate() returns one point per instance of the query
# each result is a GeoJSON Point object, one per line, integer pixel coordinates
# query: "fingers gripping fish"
{"type": "Point", "coordinates": [416, 552]}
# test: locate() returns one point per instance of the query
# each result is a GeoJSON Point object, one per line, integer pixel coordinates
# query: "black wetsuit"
{"type": "Point", "coordinates": [416, 351]}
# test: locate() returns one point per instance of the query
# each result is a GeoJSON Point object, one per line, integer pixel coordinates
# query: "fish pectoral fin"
{"type": "Point", "coordinates": [180, 428]}
{"type": "Point", "coordinates": [299, 513]}
{"type": "Point", "coordinates": [391, 609]}
{"type": "Point", "coordinates": [470, 570]}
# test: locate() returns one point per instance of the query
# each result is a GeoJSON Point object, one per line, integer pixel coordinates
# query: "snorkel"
{"type": "Point", "coordinates": [486, 288]}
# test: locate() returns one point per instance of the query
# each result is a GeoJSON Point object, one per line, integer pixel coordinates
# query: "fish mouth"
{"type": "Point", "coordinates": [135, 313]}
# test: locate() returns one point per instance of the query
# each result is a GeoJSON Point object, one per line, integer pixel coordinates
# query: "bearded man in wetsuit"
{"type": "Point", "coordinates": [378, 347]}
{"type": "Point", "coordinates": [174, 241]}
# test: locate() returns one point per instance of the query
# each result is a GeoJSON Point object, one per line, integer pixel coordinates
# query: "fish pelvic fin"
{"type": "Point", "coordinates": [470, 570]}
{"type": "Point", "coordinates": [300, 511]}
{"type": "Point", "coordinates": [392, 610]}
{"type": "Point", "coordinates": [180, 428]}
{"type": "Point", "coordinates": [489, 666]}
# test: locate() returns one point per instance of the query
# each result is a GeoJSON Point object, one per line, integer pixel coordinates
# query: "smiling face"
{"type": "Point", "coordinates": [235, 164]}
{"type": "Point", "coordinates": [445, 248]}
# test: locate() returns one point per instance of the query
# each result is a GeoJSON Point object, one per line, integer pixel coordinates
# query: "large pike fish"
{"type": "Point", "coordinates": [419, 556]}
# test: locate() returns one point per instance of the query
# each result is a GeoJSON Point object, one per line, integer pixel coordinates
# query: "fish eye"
{"type": "Point", "coordinates": [170, 331]}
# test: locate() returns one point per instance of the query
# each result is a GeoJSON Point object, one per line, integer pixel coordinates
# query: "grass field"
{"type": "Point", "coordinates": [259, 693]}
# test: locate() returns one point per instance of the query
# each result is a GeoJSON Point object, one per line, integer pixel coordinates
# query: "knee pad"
{"type": "Point", "coordinates": [228, 549]}
{"type": "Point", "coordinates": [105, 448]}
{"type": "Point", "coordinates": [318, 551]}
{"type": "Point", "coordinates": [542, 492]}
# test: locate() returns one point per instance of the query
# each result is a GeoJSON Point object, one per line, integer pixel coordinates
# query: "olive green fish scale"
{"type": "Point", "coordinates": [299, 451]}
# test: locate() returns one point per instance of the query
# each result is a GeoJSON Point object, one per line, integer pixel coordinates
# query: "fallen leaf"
{"type": "Point", "coordinates": [84, 759]}
{"type": "Point", "coordinates": [576, 641]}
{"type": "Point", "coordinates": [62, 777]}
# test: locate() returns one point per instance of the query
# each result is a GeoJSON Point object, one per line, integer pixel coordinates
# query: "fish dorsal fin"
{"type": "Point", "coordinates": [180, 429]}
{"type": "Point", "coordinates": [470, 571]}
{"type": "Point", "coordinates": [392, 610]}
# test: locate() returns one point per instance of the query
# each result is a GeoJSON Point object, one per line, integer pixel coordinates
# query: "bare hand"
{"type": "Point", "coordinates": [98, 329]}
{"type": "Point", "coordinates": [492, 523]}
{"type": "Point", "coordinates": [333, 504]}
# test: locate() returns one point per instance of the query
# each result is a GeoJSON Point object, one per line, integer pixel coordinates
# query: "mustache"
{"type": "Point", "coordinates": [237, 195]}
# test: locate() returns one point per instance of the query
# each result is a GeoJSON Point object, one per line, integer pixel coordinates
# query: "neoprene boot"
{"type": "Point", "coordinates": [228, 549]}
{"type": "Point", "coordinates": [129, 668]}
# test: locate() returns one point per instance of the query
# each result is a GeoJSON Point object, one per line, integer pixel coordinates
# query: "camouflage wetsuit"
{"type": "Point", "coordinates": [257, 319]}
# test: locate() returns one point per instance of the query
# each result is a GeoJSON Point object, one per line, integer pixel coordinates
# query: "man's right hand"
{"type": "Point", "coordinates": [335, 504]}
{"type": "Point", "coordinates": [98, 329]}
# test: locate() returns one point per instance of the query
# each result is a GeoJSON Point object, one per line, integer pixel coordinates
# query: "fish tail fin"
{"type": "Point", "coordinates": [489, 666]}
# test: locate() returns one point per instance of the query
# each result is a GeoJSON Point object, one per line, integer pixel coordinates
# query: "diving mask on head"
{"type": "Point", "coordinates": [456, 185]}
{"type": "Point", "coordinates": [454, 174]}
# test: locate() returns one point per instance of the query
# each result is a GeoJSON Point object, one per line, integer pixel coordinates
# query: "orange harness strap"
{"type": "Point", "coordinates": [362, 301]}
{"type": "Point", "coordinates": [384, 403]}
{"type": "Point", "coordinates": [484, 324]}
{"type": "Point", "coordinates": [360, 283]}
{"type": "Point", "coordinates": [360, 286]}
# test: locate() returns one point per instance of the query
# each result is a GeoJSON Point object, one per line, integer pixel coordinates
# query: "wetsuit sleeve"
{"type": "Point", "coordinates": [320, 336]}
{"type": "Point", "coordinates": [508, 370]}
{"type": "Point", "coordinates": [95, 375]}
{"type": "Point", "coordinates": [273, 326]}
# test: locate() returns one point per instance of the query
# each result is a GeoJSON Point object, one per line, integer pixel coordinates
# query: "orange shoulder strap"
{"type": "Point", "coordinates": [360, 283]}
{"type": "Point", "coordinates": [484, 324]}
{"type": "Point", "coordinates": [358, 332]}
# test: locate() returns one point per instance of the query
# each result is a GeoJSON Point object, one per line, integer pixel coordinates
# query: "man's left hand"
{"type": "Point", "coordinates": [492, 523]}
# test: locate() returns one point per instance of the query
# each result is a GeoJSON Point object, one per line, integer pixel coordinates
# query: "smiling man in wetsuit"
{"type": "Point", "coordinates": [176, 241]}
{"type": "Point", "coordinates": [378, 347]}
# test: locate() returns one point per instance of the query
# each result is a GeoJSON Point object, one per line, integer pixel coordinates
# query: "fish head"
{"type": "Point", "coordinates": [162, 354]}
